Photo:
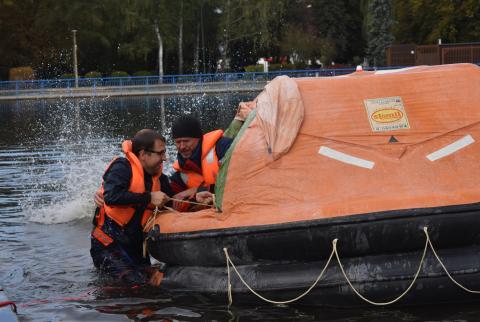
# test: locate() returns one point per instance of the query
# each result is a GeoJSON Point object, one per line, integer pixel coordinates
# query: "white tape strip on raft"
{"type": "Point", "coordinates": [345, 158]}
{"type": "Point", "coordinates": [451, 148]}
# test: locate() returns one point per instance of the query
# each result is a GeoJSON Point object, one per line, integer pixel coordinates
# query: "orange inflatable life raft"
{"type": "Point", "coordinates": [370, 159]}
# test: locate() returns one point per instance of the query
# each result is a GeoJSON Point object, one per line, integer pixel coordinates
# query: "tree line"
{"type": "Point", "coordinates": [201, 36]}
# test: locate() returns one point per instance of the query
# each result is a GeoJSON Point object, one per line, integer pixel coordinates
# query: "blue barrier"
{"type": "Point", "coordinates": [15, 87]}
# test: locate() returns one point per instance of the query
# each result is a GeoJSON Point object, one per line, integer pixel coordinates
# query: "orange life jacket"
{"type": "Point", "coordinates": [123, 214]}
{"type": "Point", "coordinates": [210, 164]}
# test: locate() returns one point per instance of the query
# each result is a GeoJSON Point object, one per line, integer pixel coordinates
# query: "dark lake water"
{"type": "Point", "coordinates": [52, 156]}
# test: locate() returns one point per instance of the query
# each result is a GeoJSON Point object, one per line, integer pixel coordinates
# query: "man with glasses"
{"type": "Point", "coordinates": [132, 187]}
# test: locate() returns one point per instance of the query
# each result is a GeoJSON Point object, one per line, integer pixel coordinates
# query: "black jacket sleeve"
{"type": "Point", "coordinates": [222, 146]}
{"type": "Point", "coordinates": [116, 182]}
{"type": "Point", "coordinates": [165, 186]}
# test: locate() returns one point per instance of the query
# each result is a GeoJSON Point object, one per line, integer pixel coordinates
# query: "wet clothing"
{"type": "Point", "coordinates": [123, 258]}
{"type": "Point", "coordinates": [194, 163]}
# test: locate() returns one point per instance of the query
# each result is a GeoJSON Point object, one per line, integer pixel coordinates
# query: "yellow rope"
{"type": "Point", "coordinates": [171, 209]}
{"type": "Point", "coordinates": [335, 252]}
{"type": "Point", "coordinates": [192, 202]}
{"type": "Point", "coordinates": [230, 301]}
{"type": "Point", "coordinates": [156, 211]}
{"type": "Point", "coordinates": [151, 219]}
{"type": "Point", "coordinates": [380, 303]}
{"type": "Point", "coordinates": [229, 285]}
{"type": "Point", "coordinates": [147, 224]}
{"type": "Point", "coordinates": [446, 271]}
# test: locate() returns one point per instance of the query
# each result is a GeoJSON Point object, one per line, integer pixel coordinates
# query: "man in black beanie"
{"type": "Point", "coordinates": [187, 132]}
{"type": "Point", "coordinates": [198, 157]}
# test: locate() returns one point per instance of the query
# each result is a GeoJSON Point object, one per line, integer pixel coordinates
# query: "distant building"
{"type": "Point", "coordinates": [411, 55]}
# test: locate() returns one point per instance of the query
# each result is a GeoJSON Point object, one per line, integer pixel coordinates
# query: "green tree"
{"type": "Point", "coordinates": [424, 22]}
{"type": "Point", "coordinates": [329, 30]}
{"type": "Point", "coordinates": [379, 26]}
{"type": "Point", "coordinates": [39, 33]}
{"type": "Point", "coordinates": [331, 20]}
{"type": "Point", "coordinates": [247, 27]}
{"type": "Point", "coordinates": [300, 37]}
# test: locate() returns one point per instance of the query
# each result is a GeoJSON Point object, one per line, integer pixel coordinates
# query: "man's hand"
{"type": "Point", "coordinates": [184, 195]}
{"type": "Point", "coordinates": [205, 197]}
{"type": "Point", "coordinates": [158, 198]}
{"type": "Point", "coordinates": [98, 198]}
{"type": "Point", "coordinates": [156, 278]}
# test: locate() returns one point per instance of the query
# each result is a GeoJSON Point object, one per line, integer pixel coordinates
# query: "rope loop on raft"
{"type": "Point", "coordinates": [428, 243]}
{"type": "Point", "coordinates": [229, 285]}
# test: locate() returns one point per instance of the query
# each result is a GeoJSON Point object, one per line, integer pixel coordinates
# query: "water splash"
{"type": "Point", "coordinates": [68, 150]}
{"type": "Point", "coordinates": [63, 190]}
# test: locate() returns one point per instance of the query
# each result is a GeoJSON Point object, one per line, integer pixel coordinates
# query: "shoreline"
{"type": "Point", "coordinates": [133, 90]}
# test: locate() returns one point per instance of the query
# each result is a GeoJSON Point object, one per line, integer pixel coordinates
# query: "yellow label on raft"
{"type": "Point", "coordinates": [386, 114]}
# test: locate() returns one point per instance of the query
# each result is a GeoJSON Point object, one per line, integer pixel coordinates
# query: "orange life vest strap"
{"type": "Point", "coordinates": [102, 237]}
{"type": "Point", "coordinates": [210, 164]}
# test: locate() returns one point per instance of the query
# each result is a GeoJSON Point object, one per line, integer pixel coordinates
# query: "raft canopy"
{"type": "Point", "coordinates": [366, 142]}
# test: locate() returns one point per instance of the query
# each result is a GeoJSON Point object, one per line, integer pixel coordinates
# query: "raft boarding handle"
{"type": "Point", "coordinates": [335, 252]}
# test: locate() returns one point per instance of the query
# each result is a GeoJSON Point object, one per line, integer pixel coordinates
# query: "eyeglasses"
{"type": "Point", "coordinates": [159, 153]}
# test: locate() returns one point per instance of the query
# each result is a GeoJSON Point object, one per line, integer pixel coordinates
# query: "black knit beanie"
{"type": "Point", "coordinates": [186, 126]}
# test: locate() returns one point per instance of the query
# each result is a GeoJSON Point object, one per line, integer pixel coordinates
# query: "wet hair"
{"type": "Point", "coordinates": [145, 140]}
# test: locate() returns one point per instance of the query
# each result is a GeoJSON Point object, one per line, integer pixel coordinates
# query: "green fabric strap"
{"type": "Point", "coordinates": [222, 173]}
{"type": "Point", "coordinates": [233, 129]}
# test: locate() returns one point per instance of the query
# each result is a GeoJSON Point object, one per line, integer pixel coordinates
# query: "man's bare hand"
{"type": "Point", "coordinates": [158, 198]}
{"type": "Point", "coordinates": [184, 195]}
{"type": "Point", "coordinates": [156, 278]}
{"type": "Point", "coordinates": [205, 197]}
{"type": "Point", "coordinates": [98, 198]}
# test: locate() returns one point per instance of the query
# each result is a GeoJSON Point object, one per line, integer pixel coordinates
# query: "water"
{"type": "Point", "coordinates": [52, 155]}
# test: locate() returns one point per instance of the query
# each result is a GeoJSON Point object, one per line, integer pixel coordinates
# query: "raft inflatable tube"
{"type": "Point", "coordinates": [343, 191]}
{"type": "Point", "coordinates": [8, 309]}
